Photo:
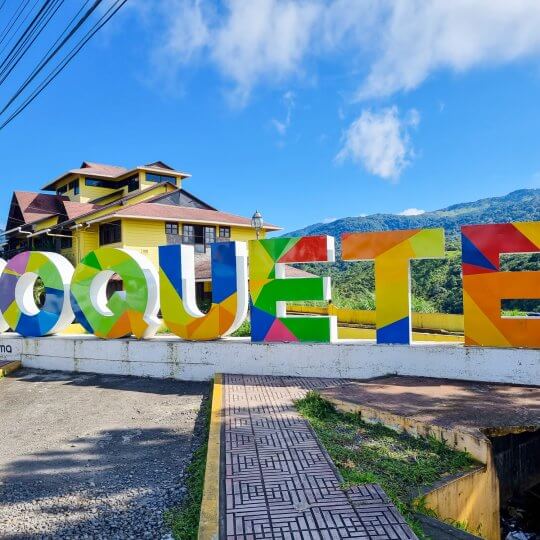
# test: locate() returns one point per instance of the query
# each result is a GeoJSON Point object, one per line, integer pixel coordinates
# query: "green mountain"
{"type": "Point", "coordinates": [521, 205]}
{"type": "Point", "coordinates": [436, 284]}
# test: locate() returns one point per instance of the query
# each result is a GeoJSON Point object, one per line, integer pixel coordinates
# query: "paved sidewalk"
{"type": "Point", "coordinates": [278, 482]}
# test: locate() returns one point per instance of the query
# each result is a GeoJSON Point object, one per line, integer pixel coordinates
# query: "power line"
{"type": "Point", "coordinates": [50, 55]}
{"type": "Point", "coordinates": [29, 28]}
{"type": "Point", "coordinates": [20, 24]}
{"type": "Point", "coordinates": [9, 26]}
{"type": "Point", "coordinates": [118, 4]}
{"type": "Point", "coordinates": [32, 36]}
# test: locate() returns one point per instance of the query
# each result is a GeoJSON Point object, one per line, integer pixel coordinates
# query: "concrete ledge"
{"type": "Point", "coordinates": [169, 357]}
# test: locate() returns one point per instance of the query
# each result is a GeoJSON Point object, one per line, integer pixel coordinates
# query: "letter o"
{"type": "Point", "coordinates": [17, 303]}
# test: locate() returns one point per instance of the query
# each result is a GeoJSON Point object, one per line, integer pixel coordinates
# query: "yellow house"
{"type": "Point", "coordinates": [139, 208]}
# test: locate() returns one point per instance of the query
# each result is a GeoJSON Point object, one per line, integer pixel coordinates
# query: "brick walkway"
{"type": "Point", "coordinates": [278, 481]}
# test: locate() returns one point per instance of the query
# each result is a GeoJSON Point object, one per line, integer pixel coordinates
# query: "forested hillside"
{"type": "Point", "coordinates": [436, 284]}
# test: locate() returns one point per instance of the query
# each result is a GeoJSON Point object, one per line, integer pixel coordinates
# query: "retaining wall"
{"type": "Point", "coordinates": [166, 356]}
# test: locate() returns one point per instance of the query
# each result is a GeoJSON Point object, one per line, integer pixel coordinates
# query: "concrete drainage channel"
{"type": "Point", "coordinates": [500, 496]}
{"type": "Point", "coordinates": [516, 458]}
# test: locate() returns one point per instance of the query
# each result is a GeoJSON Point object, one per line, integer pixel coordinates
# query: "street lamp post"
{"type": "Point", "coordinates": [257, 222]}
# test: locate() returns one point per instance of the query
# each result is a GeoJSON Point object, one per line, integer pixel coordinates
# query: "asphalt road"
{"type": "Point", "coordinates": [93, 456]}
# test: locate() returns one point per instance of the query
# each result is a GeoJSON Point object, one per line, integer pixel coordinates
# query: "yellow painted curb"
{"type": "Point", "coordinates": [10, 367]}
{"type": "Point", "coordinates": [209, 517]}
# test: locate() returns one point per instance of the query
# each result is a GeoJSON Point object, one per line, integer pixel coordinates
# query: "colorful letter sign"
{"type": "Point", "coordinates": [270, 290]}
{"type": "Point", "coordinates": [229, 291]}
{"type": "Point", "coordinates": [484, 286]}
{"type": "Point", "coordinates": [4, 326]}
{"type": "Point", "coordinates": [17, 302]}
{"type": "Point", "coordinates": [130, 311]}
{"type": "Point", "coordinates": [392, 252]}
{"type": "Point", "coordinates": [133, 308]}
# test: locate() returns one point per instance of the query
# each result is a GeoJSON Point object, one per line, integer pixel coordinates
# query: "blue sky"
{"type": "Point", "coordinates": [306, 110]}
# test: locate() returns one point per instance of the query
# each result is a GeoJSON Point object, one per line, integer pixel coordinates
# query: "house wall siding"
{"type": "Point", "coordinates": [144, 236]}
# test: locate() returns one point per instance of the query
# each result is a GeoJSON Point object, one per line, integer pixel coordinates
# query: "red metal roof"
{"type": "Point", "coordinates": [76, 209]}
{"type": "Point", "coordinates": [102, 170]}
{"type": "Point", "coordinates": [186, 214]}
{"type": "Point", "coordinates": [37, 206]}
{"type": "Point", "coordinates": [99, 169]}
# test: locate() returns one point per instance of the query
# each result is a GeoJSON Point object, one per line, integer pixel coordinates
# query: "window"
{"type": "Point", "coordinates": [188, 234]}
{"type": "Point", "coordinates": [209, 235]}
{"type": "Point", "coordinates": [224, 232]}
{"type": "Point", "coordinates": [109, 233]}
{"type": "Point", "coordinates": [66, 243]}
{"type": "Point", "coordinates": [74, 186]}
{"type": "Point", "coordinates": [62, 190]}
{"type": "Point", "coordinates": [151, 177]}
{"type": "Point", "coordinates": [98, 182]}
{"type": "Point", "coordinates": [132, 183]}
{"type": "Point", "coordinates": [171, 228]}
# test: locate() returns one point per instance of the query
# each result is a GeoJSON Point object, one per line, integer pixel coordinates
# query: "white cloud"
{"type": "Point", "coordinates": [329, 219]}
{"type": "Point", "coordinates": [188, 31]}
{"type": "Point", "coordinates": [420, 37]}
{"type": "Point", "coordinates": [281, 126]}
{"type": "Point", "coordinates": [398, 44]}
{"type": "Point", "coordinates": [380, 142]}
{"type": "Point", "coordinates": [412, 212]}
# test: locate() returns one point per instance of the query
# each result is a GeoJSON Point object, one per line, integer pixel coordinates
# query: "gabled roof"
{"type": "Point", "coordinates": [159, 165]}
{"type": "Point", "coordinates": [77, 209]}
{"type": "Point", "coordinates": [38, 206]}
{"type": "Point", "coordinates": [167, 212]}
{"type": "Point", "coordinates": [102, 170]}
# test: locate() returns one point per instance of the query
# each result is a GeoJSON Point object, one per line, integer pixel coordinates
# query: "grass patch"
{"type": "Point", "coordinates": [184, 519]}
{"type": "Point", "coordinates": [244, 330]}
{"type": "Point", "coordinates": [373, 453]}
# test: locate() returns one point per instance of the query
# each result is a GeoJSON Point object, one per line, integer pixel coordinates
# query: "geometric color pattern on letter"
{"type": "Point", "coordinates": [229, 291]}
{"type": "Point", "coordinates": [130, 311]}
{"type": "Point", "coordinates": [17, 293]}
{"type": "Point", "coordinates": [4, 326]}
{"type": "Point", "coordinates": [392, 252]}
{"type": "Point", "coordinates": [484, 285]}
{"type": "Point", "coordinates": [270, 290]}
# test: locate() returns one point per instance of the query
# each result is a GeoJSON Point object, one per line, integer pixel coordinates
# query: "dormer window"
{"type": "Point", "coordinates": [158, 178]}
{"type": "Point", "coordinates": [75, 187]}
{"type": "Point", "coordinates": [100, 183]}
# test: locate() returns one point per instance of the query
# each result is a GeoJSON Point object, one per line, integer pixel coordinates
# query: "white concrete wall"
{"type": "Point", "coordinates": [166, 357]}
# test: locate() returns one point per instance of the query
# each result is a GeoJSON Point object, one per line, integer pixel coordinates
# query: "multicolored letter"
{"type": "Point", "coordinates": [270, 290]}
{"type": "Point", "coordinates": [131, 311]}
{"type": "Point", "coordinates": [484, 286]}
{"type": "Point", "coordinates": [229, 291]}
{"type": "Point", "coordinates": [4, 326]}
{"type": "Point", "coordinates": [392, 252]}
{"type": "Point", "coordinates": [17, 293]}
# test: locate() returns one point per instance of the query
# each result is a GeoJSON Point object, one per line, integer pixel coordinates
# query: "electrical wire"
{"type": "Point", "coordinates": [117, 5]}
{"type": "Point", "coordinates": [17, 29]}
{"type": "Point", "coordinates": [50, 55]}
{"type": "Point", "coordinates": [25, 46]}
{"type": "Point", "coordinates": [9, 26]}
{"type": "Point", "coordinates": [12, 55]}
